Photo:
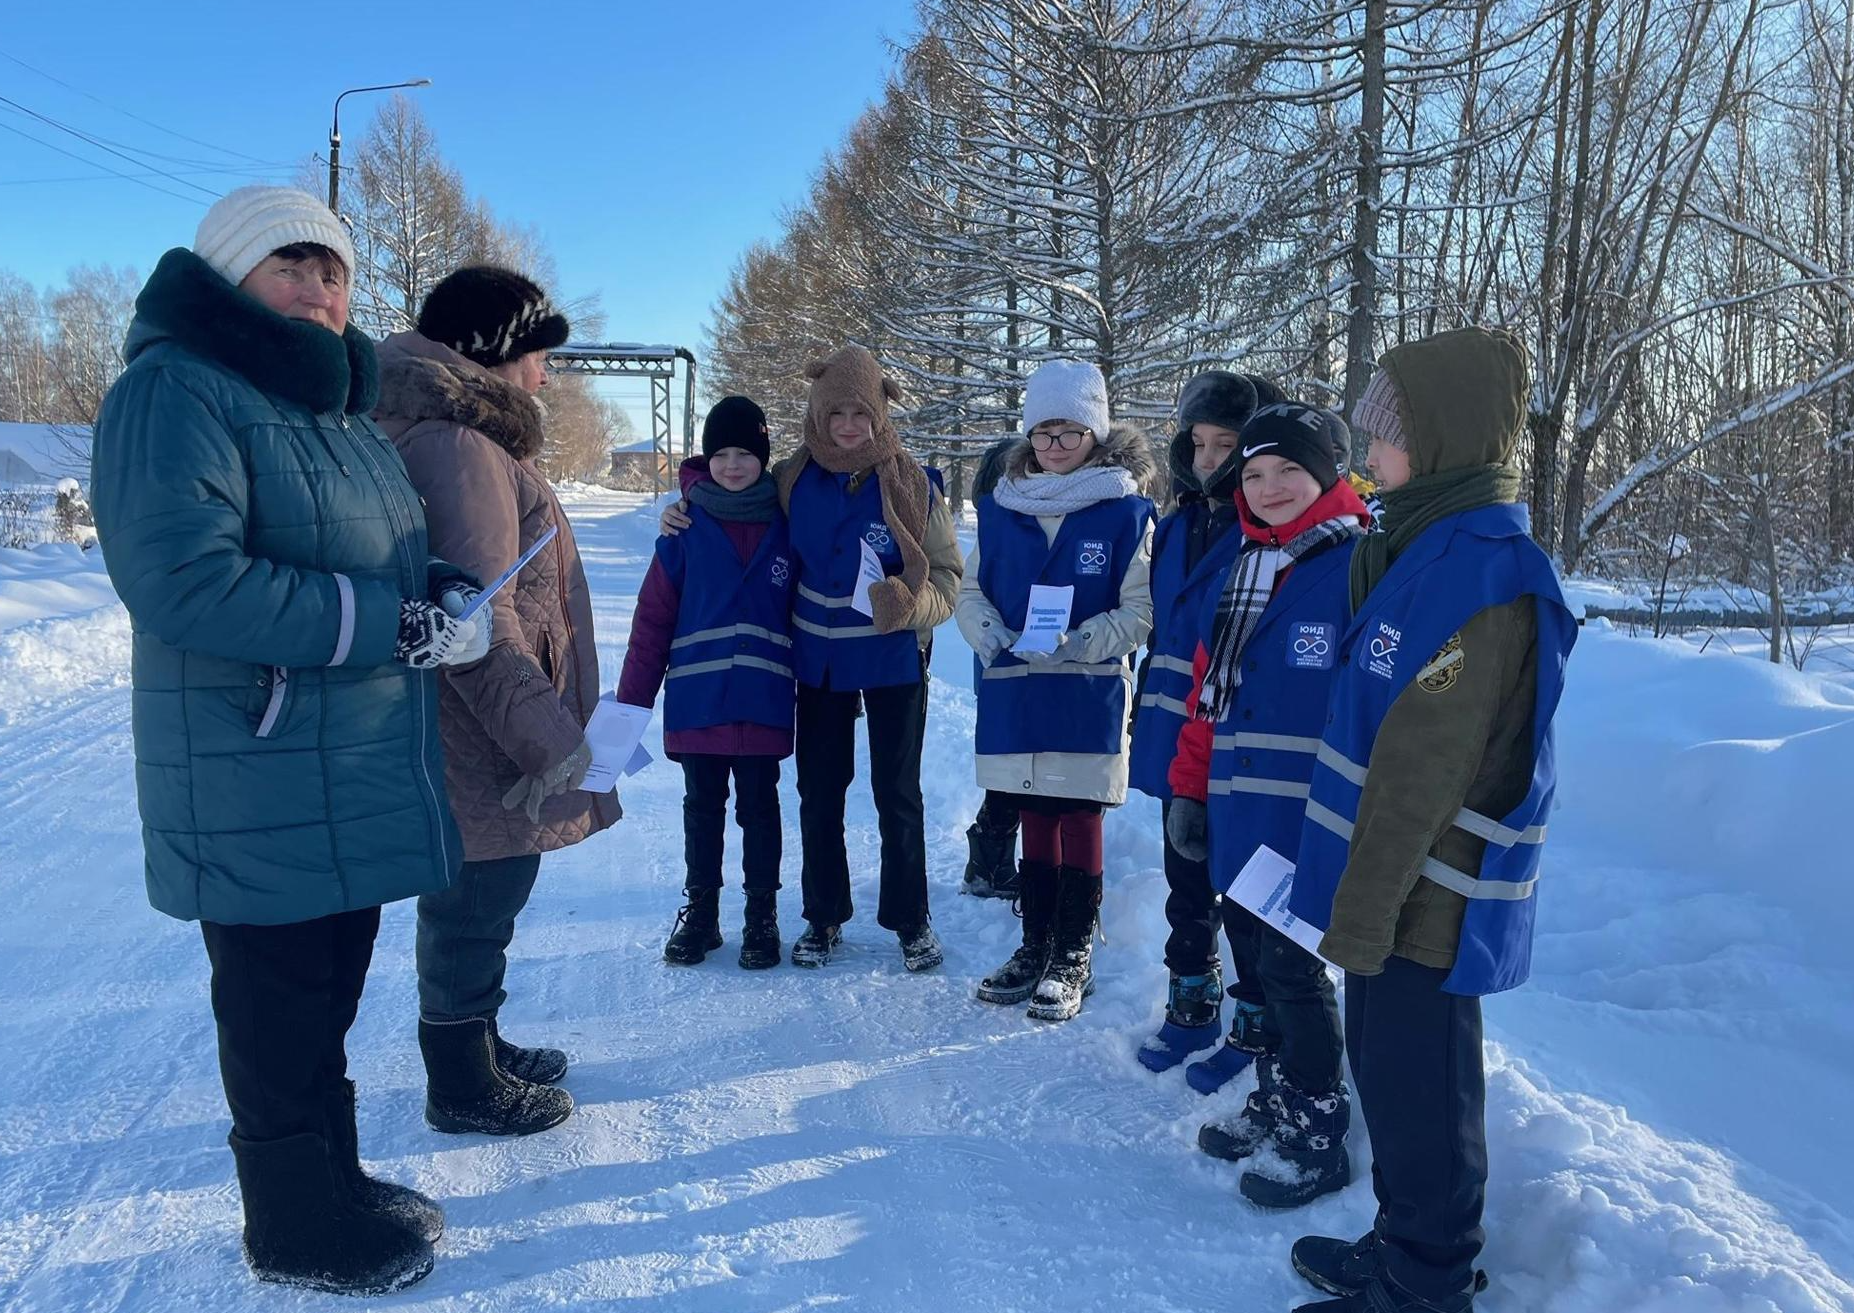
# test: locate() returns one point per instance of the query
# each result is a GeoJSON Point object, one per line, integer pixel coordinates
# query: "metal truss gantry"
{"type": "Point", "coordinates": [633, 360]}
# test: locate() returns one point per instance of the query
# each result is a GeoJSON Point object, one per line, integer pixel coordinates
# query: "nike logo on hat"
{"type": "Point", "coordinates": [1250, 451]}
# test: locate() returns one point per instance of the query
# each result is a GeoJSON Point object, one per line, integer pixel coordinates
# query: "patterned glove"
{"type": "Point", "coordinates": [993, 642]}
{"type": "Point", "coordinates": [429, 638]}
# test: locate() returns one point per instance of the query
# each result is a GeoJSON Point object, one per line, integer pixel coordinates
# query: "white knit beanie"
{"type": "Point", "coordinates": [246, 225]}
{"type": "Point", "coordinates": [1066, 389]}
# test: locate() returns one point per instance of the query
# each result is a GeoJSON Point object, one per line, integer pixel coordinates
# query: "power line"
{"type": "Point", "coordinates": [98, 177]}
{"type": "Point", "coordinates": [95, 165]}
{"type": "Point", "coordinates": [126, 113]}
{"type": "Point", "coordinates": [87, 138]}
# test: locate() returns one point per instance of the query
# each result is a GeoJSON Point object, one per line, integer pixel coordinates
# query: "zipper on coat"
{"type": "Point", "coordinates": [273, 709]}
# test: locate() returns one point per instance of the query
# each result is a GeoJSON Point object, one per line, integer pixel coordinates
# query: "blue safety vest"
{"type": "Point", "coordinates": [834, 644]}
{"type": "Point", "coordinates": [1262, 752]}
{"type": "Point", "coordinates": [1055, 706]}
{"type": "Point", "coordinates": [1457, 568]}
{"type": "Point", "coordinates": [730, 659]}
{"type": "Point", "coordinates": [1177, 600]}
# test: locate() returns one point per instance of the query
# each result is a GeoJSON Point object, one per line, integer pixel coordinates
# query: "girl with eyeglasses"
{"type": "Point", "coordinates": [1071, 512]}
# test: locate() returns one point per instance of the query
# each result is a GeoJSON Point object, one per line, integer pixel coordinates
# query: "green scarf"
{"type": "Point", "coordinates": [1417, 505]}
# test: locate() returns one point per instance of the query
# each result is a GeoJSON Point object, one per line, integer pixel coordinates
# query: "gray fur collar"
{"type": "Point", "coordinates": [1122, 448]}
{"type": "Point", "coordinates": [420, 388]}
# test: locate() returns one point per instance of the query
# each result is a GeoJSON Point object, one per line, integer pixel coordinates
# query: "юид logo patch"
{"type": "Point", "coordinates": [1382, 651]}
{"type": "Point", "coordinates": [877, 536]}
{"type": "Point", "coordinates": [1312, 644]}
{"type": "Point", "coordinates": [1091, 557]}
{"type": "Point", "coordinates": [781, 571]}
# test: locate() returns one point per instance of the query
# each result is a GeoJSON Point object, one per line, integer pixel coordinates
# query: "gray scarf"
{"type": "Point", "coordinates": [1063, 494]}
{"type": "Point", "coordinates": [756, 503]}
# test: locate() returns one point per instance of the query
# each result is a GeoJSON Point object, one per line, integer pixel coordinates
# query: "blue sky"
{"type": "Point", "coordinates": [650, 144]}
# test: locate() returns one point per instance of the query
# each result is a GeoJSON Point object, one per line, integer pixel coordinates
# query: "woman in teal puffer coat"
{"type": "Point", "coordinates": [272, 556]}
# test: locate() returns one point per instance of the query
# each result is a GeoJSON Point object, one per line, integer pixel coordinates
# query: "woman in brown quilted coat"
{"type": "Point", "coordinates": [457, 399]}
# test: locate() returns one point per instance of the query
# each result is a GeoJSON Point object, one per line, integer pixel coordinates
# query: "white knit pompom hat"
{"type": "Point", "coordinates": [1066, 389]}
{"type": "Point", "coordinates": [246, 225]}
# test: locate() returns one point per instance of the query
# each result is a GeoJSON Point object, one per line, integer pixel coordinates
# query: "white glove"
{"type": "Point", "coordinates": [992, 642]}
{"type": "Point", "coordinates": [454, 599]}
{"type": "Point", "coordinates": [1065, 651]}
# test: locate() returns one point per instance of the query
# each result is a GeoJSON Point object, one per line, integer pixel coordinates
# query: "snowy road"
{"type": "Point", "coordinates": [1668, 1105]}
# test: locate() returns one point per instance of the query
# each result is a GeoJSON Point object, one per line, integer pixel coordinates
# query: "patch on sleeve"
{"type": "Point", "coordinates": [1440, 672]}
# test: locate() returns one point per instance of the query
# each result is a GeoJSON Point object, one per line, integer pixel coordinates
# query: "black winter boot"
{"type": "Point", "coordinates": [1235, 1140]}
{"type": "Point", "coordinates": [1016, 980]}
{"type": "Point", "coordinates": [404, 1205]}
{"type": "Point", "coordinates": [539, 1066]}
{"type": "Point", "coordinates": [920, 948]}
{"type": "Point", "coordinates": [302, 1229]}
{"type": "Point", "coordinates": [1310, 1131]}
{"type": "Point", "coordinates": [814, 947]}
{"type": "Point", "coordinates": [1381, 1294]}
{"type": "Point", "coordinates": [698, 928]}
{"type": "Point", "coordinates": [1069, 977]}
{"type": "Point", "coordinates": [1346, 1267]}
{"type": "Point", "coordinates": [759, 932]}
{"type": "Point", "coordinates": [991, 841]}
{"type": "Point", "coordinates": [466, 1091]}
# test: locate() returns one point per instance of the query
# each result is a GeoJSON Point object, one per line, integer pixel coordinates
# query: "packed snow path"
{"type": "Point", "coordinates": [1668, 1104]}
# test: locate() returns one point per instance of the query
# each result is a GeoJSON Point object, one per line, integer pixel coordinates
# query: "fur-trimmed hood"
{"type": "Point", "coordinates": [424, 380]}
{"type": "Point", "coordinates": [187, 301]}
{"type": "Point", "coordinates": [1123, 448]}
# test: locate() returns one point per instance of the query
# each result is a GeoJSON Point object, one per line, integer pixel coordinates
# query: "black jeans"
{"type": "Point", "coordinates": [827, 764]}
{"type": "Point", "coordinates": [284, 997]}
{"type": "Point", "coordinates": [1303, 1011]}
{"type": "Point", "coordinates": [463, 938]}
{"type": "Point", "coordinates": [1194, 911]}
{"type": "Point", "coordinates": [1416, 1059]}
{"type": "Point", "coordinates": [704, 819]}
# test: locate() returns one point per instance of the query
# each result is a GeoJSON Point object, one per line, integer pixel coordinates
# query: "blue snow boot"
{"type": "Point", "coordinates": [1249, 1038]}
{"type": "Point", "coordinates": [1193, 1010]}
{"type": "Point", "coordinates": [1309, 1137]}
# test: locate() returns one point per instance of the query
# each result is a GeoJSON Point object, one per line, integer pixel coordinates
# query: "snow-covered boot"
{"type": "Point", "coordinates": [466, 1091]}
{"type": "Point", "coordinates": [991, 863]}
{"type": "Point", "coordinates": [1069, 978]}
{"type": "Point", "coordinates": [302, 1229]}
{"type": "Point", "coordinates": [541, 1066]}
{"type": "Point", "coordinates": [1236, 1138]}
{"type": "Point", "coordinates": [1346, 1267]}
{"type": "Point", "coordinates": [920, 948]}
{"type": "Point", "coordinates": [1310, 1131]}
{"type": "Point", "coordinates": [1193, 1009]}
{"type": "Point", "coordinates": [697, 932]}
{"type": "Point", "coordinates": [759, 932]}
{"type": "Point", "coordinates": [412, 1210]}
{"type": "Point", "coordinates": [1249, 1038]}
{"type": "Point", "coordinates": [814, 947]}
{"type": "Point", "coordinates": [1016, 980]}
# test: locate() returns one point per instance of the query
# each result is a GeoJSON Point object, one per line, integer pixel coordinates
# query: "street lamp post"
{"type": "Point", "coordinates": [334, 135]}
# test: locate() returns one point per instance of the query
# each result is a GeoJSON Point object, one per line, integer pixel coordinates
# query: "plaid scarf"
{"type": "Point", "coordinates": [1246, 596]}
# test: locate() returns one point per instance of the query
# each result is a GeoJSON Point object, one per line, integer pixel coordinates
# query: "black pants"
{"type": "Point", "coordinates": [463, 938]}
{"type": "Point", "coordinates": [1303, 1011]}
{"type": "Point", "coordinates": [827, 764]}
{"type": "Point", "coordinates": [704, 819]}
{"type": "Point", "coordinates": [1194, 911]}
{"type": "Point", "coordinates": [1416, 1059]}
{"type": "Point", "coordinates": [284, 997]}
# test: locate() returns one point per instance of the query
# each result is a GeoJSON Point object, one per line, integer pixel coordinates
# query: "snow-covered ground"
{"type": "Point", "coordinates": [1668, 1106]}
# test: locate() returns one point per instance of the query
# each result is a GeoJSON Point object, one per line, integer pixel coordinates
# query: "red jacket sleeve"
{"type": "Point", "coordinates": [1189, 775]}
{"type": "Point", "coordinates": [653, 625]}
